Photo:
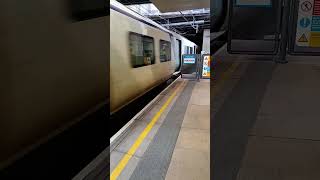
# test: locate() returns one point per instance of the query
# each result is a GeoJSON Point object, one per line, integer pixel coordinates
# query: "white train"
{"type": "Point", "coordinates": [143, 54]}
{"type": "Point", "coordinates": [54, 71]}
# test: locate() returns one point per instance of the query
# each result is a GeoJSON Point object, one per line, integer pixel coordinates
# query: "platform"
{"type": "Point", "coordinates": [171, 140]}
{"type": "Point", "coordinates": [265, 123]}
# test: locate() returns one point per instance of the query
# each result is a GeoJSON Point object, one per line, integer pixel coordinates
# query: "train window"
{"type": "Point", "coordinates": [141, 50]}
{"type": "Point", "coordinates": [165, 51]}
{"type": "Point", "coordinates": [186, 50]}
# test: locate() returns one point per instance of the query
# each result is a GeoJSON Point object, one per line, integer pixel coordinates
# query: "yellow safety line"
{"type": "Point", "coordinates": [225, 76]}
{"type": "Point", "coordinates": [124, 161]}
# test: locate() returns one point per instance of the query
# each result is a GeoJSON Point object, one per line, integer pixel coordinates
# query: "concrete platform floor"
{"type": "Point", "coordinates": [191, 156]}
{"type": "Point", "coordinates": [267, 125]}
{"type": "Point", "coordinates": [184, 154]}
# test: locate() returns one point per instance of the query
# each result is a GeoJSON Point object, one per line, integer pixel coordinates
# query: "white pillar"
{"type": "Point", "coordinates": [206, 41]}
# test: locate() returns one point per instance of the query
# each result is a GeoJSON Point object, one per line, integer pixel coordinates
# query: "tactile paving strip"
{"type": "Point", "coordinates": [156, 160]}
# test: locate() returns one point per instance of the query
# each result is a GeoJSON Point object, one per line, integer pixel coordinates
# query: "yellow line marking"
{"type": "Point", "coordinates": [225, 76]}
{"type": "Point", "coordinates": [125, 159]}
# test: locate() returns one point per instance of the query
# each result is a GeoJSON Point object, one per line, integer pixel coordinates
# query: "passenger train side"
{"type": "Point", "coordinates": [54, 73]}
{"type": "Point", "coordinates": [143, 54]}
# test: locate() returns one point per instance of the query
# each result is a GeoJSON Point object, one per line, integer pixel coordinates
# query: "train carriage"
{"type": "Point", "coordinates": [143, 54]}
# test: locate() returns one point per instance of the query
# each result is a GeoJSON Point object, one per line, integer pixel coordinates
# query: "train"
{"type": "Point", "coordinates": [55, 61]}
{"type": "Point", "coordinates": [54, 70]}
{"type": "Point", "coordinates": [143, 54]}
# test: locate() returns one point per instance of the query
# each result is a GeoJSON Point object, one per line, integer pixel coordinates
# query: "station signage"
{"type": "Point", "coordinates": [254, 3]}
{"type": "Point", "coordinates": [206, 66]}
{"type": "Point", "coordinates": [308, 24]}
{"type": "Point", "coordinates": [189, 59]}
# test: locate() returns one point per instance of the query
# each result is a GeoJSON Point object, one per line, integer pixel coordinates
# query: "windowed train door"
{"type": "Point", "coordinates": [178, 54]}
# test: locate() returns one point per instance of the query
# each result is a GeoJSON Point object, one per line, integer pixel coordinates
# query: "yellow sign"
{"type": "Point", "coordinates": [206, 66]}
{"type": "Point", "coordinates": [315, 39]}
{"type": "Point", "coordinates": [303, 38]}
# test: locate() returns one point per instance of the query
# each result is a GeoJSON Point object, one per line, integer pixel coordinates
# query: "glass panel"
{"type": "Point", "coordinates": [165, 51]}
{"type": "Point", "coordinates": [186, 50]}
{"type": "Point", "coordinates": [148, 50]}
{"type": "Point", "coordinates": [178, 54]}
{"type": "Point", "coordinates": [136, 50]}
{"type": "Point", "coordinates": [141, 50]}
{"type": "Point", "coordinates": [254, 28]}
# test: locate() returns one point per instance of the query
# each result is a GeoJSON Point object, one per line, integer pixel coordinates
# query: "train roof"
{"type": "Point", "coordinates": [121, 8]}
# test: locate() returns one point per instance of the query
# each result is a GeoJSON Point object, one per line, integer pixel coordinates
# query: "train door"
{"type": "Point", "coordinates": [178, 54]}
{"type": "Point", "coordinates": [186, 50]}
{"type": "Point", "coordinates": [191, 50]}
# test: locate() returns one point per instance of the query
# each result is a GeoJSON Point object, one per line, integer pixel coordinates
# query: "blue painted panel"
{"type": "Point", "coordinates": [315, 27]}
{"type": "Point", "coordinates": [245, 3]}
{"type": "Point", "coordinates": [189, 59]}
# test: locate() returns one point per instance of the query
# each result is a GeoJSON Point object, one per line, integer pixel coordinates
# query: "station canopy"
{"type": "Point", "coordinates": [184, 21]}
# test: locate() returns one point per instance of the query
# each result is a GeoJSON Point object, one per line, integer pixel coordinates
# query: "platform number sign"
{"type": "Point", "coordinates": [189, 59]}
{"type": "Point", "coordinates": [308, 25]}
{"type": "Point", "coordinates": [206, 66]}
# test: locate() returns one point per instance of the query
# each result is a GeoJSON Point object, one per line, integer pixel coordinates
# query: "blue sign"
{"type": "Point", "coordinates": [305, 22]}
{"type": "Point", "coordinates": [253, 3]}
{"type": "Point", "coordinates": [189, 59]}
{"type": "Point", "coordinates": [315, 27]}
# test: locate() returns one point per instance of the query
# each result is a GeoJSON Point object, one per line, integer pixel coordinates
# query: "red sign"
{"type": "Point", "coordinates": [316, 9]}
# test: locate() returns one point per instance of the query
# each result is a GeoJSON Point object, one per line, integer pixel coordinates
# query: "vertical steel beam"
{"type": "Point", "coordinates": [281, 57]}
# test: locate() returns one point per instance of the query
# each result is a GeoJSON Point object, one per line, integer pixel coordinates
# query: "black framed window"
{"type": "Point", "coordinates": [191, 50]}
{"type": "Point", "coordinates": [141, 50]}
{"type": "Point", "coordinates": [165, 51]}
{"type": "Point", "coordinates": [186, 50]}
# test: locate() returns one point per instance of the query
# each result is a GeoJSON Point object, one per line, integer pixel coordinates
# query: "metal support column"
{"type": "Point", "coordinates": [199, 65]}
{"type": "Point", "coordinates": [281, 57]}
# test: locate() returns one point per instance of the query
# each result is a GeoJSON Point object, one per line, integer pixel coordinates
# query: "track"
{"type": "Point", "coordinates": [64, 155]}
{"type": "Point", "coordinates": [120, 118]}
